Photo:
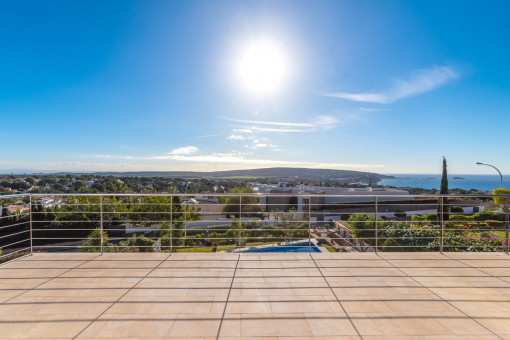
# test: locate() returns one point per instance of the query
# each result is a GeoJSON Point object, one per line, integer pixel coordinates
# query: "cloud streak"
{"type": "Point", "coordinates": [206, 162]}
{"type": "Point", "coordinates": [185, 150]}
{"type": "Point", "coordinates": [319, 123]}
{"type": "Point", "coordinates": [421, 81]}
{"type": "Point", "coordinates": [234, 160]}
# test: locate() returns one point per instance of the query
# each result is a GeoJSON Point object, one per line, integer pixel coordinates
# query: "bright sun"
{"type": "Point", "coordinates": [262, 68]}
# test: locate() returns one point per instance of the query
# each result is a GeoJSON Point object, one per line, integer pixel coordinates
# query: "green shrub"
{"type": "Point", "coordinates": [93, 243]}
{"type": "Point", "coordinates": [461, 218]}
{"type": "Point", "coordinates": [501, 200]}
{"type": "Point", "coordinates": [494, 224]}
{"type": "Point", "coordinates": [345, 217]}
{"type": "Point", "coordinates": [483, 216]}
{"type": "Point", "coordinates": [391, 245]}
{"type": "Point", "coordinates": [412, 238]}
{"type": "Point", "coordinates": [456, 209]}
{"type": "Point", "coordinates": [431, 217]}
{"type": "Point", "coordinates": [363, 227]}
{"type": "Point", "coordinates": [139, 244]}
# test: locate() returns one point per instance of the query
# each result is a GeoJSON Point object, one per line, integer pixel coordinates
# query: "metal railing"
{"type": "Point", "coordinates": [15, 234]}
{"type": "Point", "coordinates": [252, 223]}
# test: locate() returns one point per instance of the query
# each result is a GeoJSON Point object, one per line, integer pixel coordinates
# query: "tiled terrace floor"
{"type": "Point", "coordinates": [276, 296]}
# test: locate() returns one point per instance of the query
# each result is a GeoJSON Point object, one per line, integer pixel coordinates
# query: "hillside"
{"type": "Point", "coordinates": [265, 172]}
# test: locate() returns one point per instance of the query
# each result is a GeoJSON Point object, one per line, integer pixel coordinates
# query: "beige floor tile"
{"type": "Point", "coordinates": [273, 295]}
{"type": "Point", "coordinates": [366, 306]}
{"type": "Point", "coordinates": [464, 326]}
{"type": "Point", "coordinates": [130, 325]}
{"type": "Point", "coordinates": [56, 305]}
{"type": "Point", "coordinates": [499, 325]}
{"type": "Point", "coordinates": [119, 274]}
{"type": "Point", "coordinates": [420, 326]}
{"type": "Point", "coordinates": [167, 305]}
{"type": "Point", "coordinates": [132, 257]}
{"type": "Point", "coordinates": [12, 326]}
{"type": "Point", "coordinates": [428, 263]}
{"type": "Point", "coordinates": [194, 325]}
{"type": "Point", "coordinates": [261, 289]}
{"type": "Point", "coordinates": [248, 305]}
{"type": "Point", "coordinates": [422, 306]}
{"type": "Point", "coordinates": [7, 273]}
{"type": "Point", "coordinates": [39, 265]}
{"type": "Point", "coordinates": [61, 257]}
{"type": "Point", "coordinates": [330, 324]}
{"type": "Point", "coordinates": [300, 304]}
{"type": "Point", "coordinates": [231, 327]}
{"type": "Point", "coordinates": [275, 325]}
{"type": "Point", "coordinates": [44, 291]}
{"type": "Point", "coordinates": [154, 291]}
{"type": "Point", "coordinates": [112, 264]}
{"type": "Point", "coordinates": [59, 326]}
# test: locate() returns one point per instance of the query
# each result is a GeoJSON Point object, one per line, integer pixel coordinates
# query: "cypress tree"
{"type": "Point", "coordinates": [443, 190]}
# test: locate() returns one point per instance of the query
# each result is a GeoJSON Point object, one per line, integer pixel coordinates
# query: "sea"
{"type": "Point", "coordinates": [428, 181]}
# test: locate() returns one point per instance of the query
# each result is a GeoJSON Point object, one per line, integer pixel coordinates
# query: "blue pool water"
{"type": "Point", "coordinates": [301, 247]}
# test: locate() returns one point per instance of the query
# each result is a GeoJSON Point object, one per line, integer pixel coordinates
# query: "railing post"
{"type": "Point", "coordinates": [185, 218]}
{"type": "Point", "coordinates": [376, 227]}
{"type": "Point", "coordinates": [506, 210]}
{"type": "Point", "coordinates": [101, 222]}
{"type": "Point", "coordinates": [441, 225]}
{"type": "Point", "coordinates": [240, 221]}
{"type": "Point", "coordinates": [30, 217]}
{"type": "Point", "coordinates": [309, 225]}
{"type": "Point", "coordinates": [171, 222]}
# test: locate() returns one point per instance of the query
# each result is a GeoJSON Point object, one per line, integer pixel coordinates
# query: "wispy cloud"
{"type": "Point", "coordinates": [421, 81]}
{"type": "Point", "coordinates": [208, 136]}
{"type": "Point", "coordinates": [243, 130]}
{"type": "Point", "coordinates": [318, 123]}
{"type": "Point", "coordinates": [262, 122]}
{"type": "Point", "coordinates": [261, 145]}
{"type": "Point", "coordinates": [267, 129]}
{"type": "Point", "coordinates": [238, 160]}
{"type": "Point", "coordinates": [185, 150]}
{"type": "Point", "coordinates": [237, 137]}
{"type": "Point", "coordinates": [210, 162]}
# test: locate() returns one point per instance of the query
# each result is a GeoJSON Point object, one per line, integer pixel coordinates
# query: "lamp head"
{"type": "Point", "coordinates": [479, 163]}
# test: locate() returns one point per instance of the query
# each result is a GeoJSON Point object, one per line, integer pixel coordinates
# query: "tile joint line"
{"type": "Point", "coordinates": [228, 296]}
{"type": "Point", "coordinates": [113, 303]}
{"type": "Point", "coordinates": [52, 278]}
{"type": "Point", "coordinates": [483, 271]}
{"type": "Point", "coordinates": [448, 302]}
{"type": "Point", "coordinates": [336, 297]}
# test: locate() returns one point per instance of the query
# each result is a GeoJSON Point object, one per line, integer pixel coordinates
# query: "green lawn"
{"type": "Point", "coordinates": [330, 248]}
{"type": "Point", "coordinates": [220, 248]}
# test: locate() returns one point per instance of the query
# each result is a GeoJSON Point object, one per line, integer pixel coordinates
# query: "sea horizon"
{"type": "Point", "coordinates": [482, 182]}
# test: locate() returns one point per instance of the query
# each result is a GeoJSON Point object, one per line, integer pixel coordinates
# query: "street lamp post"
{"type": "Point", "coordinates": [499, 172]}
{"type": "Point", "coordinates": [505, 209]}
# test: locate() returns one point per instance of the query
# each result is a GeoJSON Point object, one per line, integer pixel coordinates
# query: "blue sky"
{"type": "Point", "coordinates": [383, 86]}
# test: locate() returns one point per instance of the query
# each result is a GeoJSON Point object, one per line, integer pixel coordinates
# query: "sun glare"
{"type": "Point", "coordinates": [262, 68]}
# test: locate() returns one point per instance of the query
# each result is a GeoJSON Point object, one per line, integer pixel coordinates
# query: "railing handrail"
{"type": "Point", "coordinates": [259, 194]}
{"type": "Point", "coordinates": [309, 212]}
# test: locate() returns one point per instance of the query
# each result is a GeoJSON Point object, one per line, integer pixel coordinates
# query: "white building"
{"type": "Point", "coordinates": [282, 197]}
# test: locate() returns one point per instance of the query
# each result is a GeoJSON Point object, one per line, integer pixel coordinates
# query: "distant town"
{"type": "Point", "coordinates": [193, 182]}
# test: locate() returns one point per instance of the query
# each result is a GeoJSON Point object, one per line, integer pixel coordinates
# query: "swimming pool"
{"type": "Point", "coordinates": [299, 247]}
